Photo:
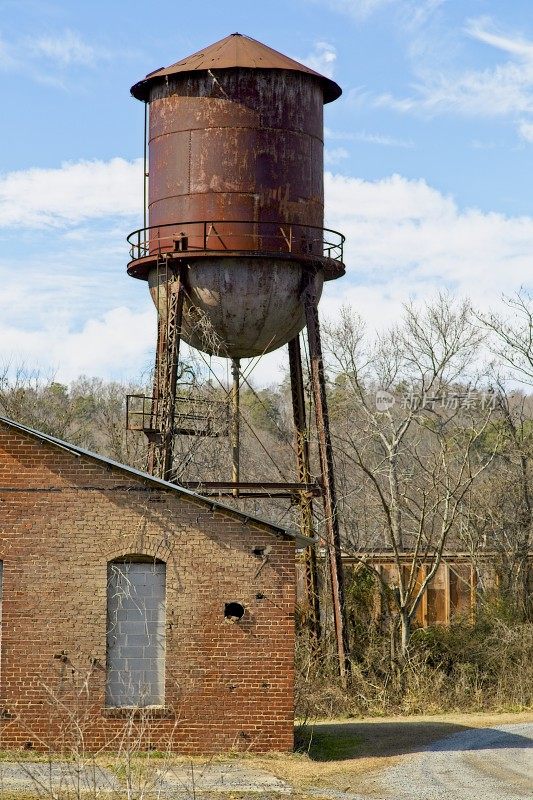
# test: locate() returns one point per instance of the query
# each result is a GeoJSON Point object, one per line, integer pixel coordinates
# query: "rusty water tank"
{"type": "Point", "coordinates": [236, 193]}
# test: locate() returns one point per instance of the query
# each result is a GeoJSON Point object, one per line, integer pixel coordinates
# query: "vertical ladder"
{"type": "Point", "coordinates": [161, 445]}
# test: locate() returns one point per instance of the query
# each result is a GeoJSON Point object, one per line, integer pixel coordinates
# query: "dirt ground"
{"type": "Point", "coordinates": [339, 754]}
{"type": "Point", "coordinates": [336, 758]}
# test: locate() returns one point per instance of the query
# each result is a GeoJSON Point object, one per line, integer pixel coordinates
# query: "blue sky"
{"type": "Point", "coordinates": [428, 158]}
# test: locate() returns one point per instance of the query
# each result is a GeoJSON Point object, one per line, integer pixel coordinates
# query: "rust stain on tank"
{"type": "Point", "coordinates": [216, 168]}
{"type": "Point", "coordinates": [236, 162]}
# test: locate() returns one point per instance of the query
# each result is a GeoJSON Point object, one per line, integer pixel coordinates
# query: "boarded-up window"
{"type": "Point", "coordinates": [437, 597]}
{"type": "Point", "coordinates": [460, 590]}
{"type": "Point", "coordinates": [135, 634]}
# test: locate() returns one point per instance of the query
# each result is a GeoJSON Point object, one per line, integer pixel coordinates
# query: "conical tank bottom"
{"type": "Point", "coordinates": [238, 307]}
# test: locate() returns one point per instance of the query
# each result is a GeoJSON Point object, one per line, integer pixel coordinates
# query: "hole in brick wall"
{"type": "Point", "coordinates": [260, 596]}
{"type": "Point", "coordinates": [233, 612]}
{"type": "Point", "coordinates": [261, 550]}
{"type": "Point", "coordinates": [28, 745]}
{"type": "Point", "coordinates": [62, 656]}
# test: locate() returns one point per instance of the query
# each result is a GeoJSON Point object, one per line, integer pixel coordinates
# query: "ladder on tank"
{"type": "Point", "coordinates": [166, 413]}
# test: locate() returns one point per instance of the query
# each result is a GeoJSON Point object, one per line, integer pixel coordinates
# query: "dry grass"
{"type": "Point", "coordinates": [481, 668]}
{"type": "Point", "coordinates": [344, 755]}
{"type": "Point", "coordinates": [340, 751]}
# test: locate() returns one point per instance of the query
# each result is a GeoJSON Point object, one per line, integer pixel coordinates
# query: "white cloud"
{"type": "Point", "coordinates": [63, 285]}
{"type": "Point", "coordinates": [368, 138]}
{"type": "Point", "coordinates": [480, 29]}
{"type": "Point", "coordinates": [7, 61]}
{"type": "Point", "coordinates": [360, 9]}
{"type": "Point", "coordinates": [525, 130]}
{"type": "Point", "coordinates": [73, 309]}
{"type": "Point", "coordinates": [405, 238]}
{"type": "Point", "coordinates": [120, 343]}
{"type": "Point", "coordinates": [50, 58]}
{"type": "Point", "coordinates": [382, 139]}
{"type": "Point", "coordinates": [503, 90]}
{"type": "Point", "coordinates": [66, 49]}
{"type": "Point", "coordinates": [416, 13]}
{"type": "Point", "coordinates": [72, 193]}
{"type": "Point", "coordinates": [478, 144]}
{"type": "Point", "coordinates": [335, 155]}
{"type": "Point", "coordinates": [411, 12]}
{"type": "Point", "coordinates": [322, 59]}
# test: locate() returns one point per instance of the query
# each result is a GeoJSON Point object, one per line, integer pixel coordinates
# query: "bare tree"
{"type": "Point", "coordinates": [512, 335]}
{"type": "Point", "coordinates": [90, 412]}
{"type": "Point", "coordinates": [506, 516]}
{"type": "Point", "coordinates": [409, 424]}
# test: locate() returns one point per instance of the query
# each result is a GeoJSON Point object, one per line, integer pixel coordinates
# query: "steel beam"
{"type": "Point", "coordinates": [235, 424]}
{"type": "Point", "coordinates": [312, 489]}
{"type": "Point", "coordinates": [304, 475]}
{"type": "Point", "coordinates": [161, 447]}
{"type": "Point", "coordinates": [333, 541]}
{"type": "Point", "coordinates": [256, 489]}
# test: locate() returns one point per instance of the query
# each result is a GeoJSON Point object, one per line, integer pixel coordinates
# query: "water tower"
{"type": "Point", "coordinates": [234, 250]}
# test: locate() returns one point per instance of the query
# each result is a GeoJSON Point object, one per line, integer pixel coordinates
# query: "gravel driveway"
{"type": "Point", "coordinates": [479, 764]}
{"type": "Point", "coordinates": [493, 763]}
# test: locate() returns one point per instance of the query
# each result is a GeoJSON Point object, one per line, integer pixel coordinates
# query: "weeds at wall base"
{"type": "Point", "coordinates": [481, 667]}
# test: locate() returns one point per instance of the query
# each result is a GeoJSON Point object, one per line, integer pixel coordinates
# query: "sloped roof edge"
{"type": "Point", "coordinates": [234, 51]}
{"type": "Point", "coordinates": [173, 487]}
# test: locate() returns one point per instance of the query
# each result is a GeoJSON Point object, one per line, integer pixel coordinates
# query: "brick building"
{"type": "Point", "coordinates": [128, 598]}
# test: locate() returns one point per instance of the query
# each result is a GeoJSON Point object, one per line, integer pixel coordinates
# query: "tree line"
{"type": "Point", "coordinates": [432, 423]}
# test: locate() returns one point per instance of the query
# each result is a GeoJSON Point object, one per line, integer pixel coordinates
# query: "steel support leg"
{"type": "Point", "coordinates": [235, 423]}
{"type": "Point", "coordinates": [160, 451]}
{"type": "Point", "coordinates": [304, 476]}
{"type": "Point", "coordinates": [333, 542]}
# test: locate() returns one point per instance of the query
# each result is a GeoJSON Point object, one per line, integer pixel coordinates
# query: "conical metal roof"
{"type": "Point", "coordinates": [232, 52]}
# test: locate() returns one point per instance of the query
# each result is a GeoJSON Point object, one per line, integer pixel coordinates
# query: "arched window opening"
{"type": "Point", "coordinates": [135, 675]}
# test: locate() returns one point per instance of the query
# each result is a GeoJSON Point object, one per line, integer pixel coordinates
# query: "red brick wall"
{"type": "Point", "coordinates": [62, 518]}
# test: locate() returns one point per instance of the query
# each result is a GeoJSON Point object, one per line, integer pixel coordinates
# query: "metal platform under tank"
{"type": "Point", "coordinates": [242, 278]}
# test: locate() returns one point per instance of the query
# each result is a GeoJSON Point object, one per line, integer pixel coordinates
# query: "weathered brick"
{"type": "Point", "coordinates": [63, 518]}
